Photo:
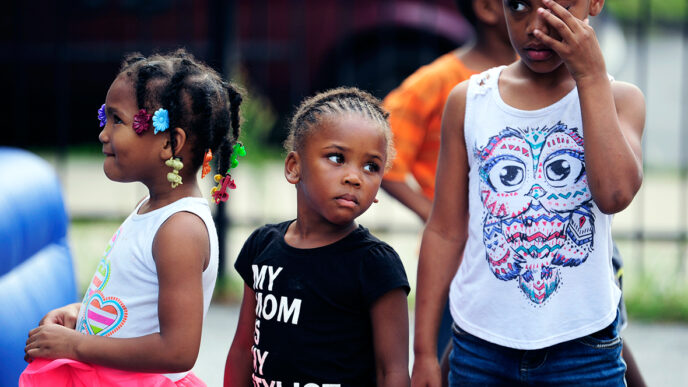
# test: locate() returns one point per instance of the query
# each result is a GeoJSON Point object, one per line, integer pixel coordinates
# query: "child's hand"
{"type": "Point", "coordinates": [65, 316]}
{"type": "Point", "coordinates": [578, 47]}
{"type": "Point", "coordinates": [52, 342]}
{"type": "Point", "coordinates": [426, 372]}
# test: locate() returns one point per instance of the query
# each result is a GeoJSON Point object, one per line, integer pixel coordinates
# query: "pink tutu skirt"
{"type": "Point", "coordinates": [65, 372]}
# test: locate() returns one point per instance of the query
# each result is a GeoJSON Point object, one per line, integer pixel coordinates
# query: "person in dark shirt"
{"type": "Point", "coordinates": [325, 301]}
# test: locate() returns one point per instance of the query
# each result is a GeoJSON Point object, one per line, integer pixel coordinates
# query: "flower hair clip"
{"type": "Point", "coordinates": [161, 120]}
{"type": "Point", "coordinates": [102, 117]}
{"type": "Point", "coordinates": [141, 121]}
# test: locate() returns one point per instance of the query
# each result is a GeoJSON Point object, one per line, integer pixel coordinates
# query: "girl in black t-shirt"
{"type": "Point", "coordinates": [325, 301]}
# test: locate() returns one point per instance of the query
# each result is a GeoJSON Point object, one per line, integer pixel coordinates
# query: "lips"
{"type": "Point", "coordinates": [538, 53]}
{"type": "Point", "coordinates": [347, 200]}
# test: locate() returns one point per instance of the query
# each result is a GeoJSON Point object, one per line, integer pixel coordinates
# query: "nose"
{"type": "Point", "coordinates": [103, 136]}
{"type": "Point", "coordinates": [351, 177]}
{"type": "Point", "coordinates": [538, 22]}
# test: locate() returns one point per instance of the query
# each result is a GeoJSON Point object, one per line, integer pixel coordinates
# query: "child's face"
{"type": "Point", "coordinates": [128, 156]}
{"type": "Point", "coordinates": [341, 168]}
{"type": "Point", "coordinates": [522, 19]}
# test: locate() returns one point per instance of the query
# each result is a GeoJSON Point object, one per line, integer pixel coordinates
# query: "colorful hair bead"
{"type": "Point", "coordinates": [206, 163]}
{"type": "Point", "coordinates": [173, 177]}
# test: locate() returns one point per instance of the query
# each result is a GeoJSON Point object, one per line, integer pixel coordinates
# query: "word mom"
{"type": "Point", "coordinates": [268, 306]}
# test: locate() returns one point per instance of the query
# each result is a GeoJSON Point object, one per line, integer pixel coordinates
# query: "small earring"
{"type": "Point", "coordinates": [376, 201]}
{"type": "Point", "coordinates": [173, 177]}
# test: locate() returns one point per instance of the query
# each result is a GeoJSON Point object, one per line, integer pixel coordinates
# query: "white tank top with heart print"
{"type": "Point", "coordinates": [122, 298]}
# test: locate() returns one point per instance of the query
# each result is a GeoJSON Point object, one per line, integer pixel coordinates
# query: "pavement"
{"type": "Point", "coordinates": [661, 350]}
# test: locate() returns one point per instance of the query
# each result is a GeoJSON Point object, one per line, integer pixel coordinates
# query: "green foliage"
{"type": "Point", "coordinates": [654, 299]}
{"type": "Point", "coordinates": [258, 119]}
{"type": "Point", "coordinates": [661, 11]}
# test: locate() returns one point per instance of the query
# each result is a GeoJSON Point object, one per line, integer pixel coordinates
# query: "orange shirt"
{"type": "Point", "coordinates": [416, 108]}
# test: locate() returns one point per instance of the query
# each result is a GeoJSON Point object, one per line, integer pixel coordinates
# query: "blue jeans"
{"type": "Point", "coordinates": [593, 360]}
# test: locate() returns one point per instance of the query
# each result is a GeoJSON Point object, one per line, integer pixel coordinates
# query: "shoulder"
{"type": "Point", "coordinates": [269, 231]}
{"type": "Point", "coordinates": [183, 225]}
{"type": "Point", "coordinates": [627, 95]}
{"type": "Point", "coordinates": [181, 235]}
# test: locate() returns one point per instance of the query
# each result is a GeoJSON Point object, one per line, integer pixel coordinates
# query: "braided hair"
{"type": "Point", "coordinates": [342, 100]}
{"type": "Point", "coordinates": [197, 99]}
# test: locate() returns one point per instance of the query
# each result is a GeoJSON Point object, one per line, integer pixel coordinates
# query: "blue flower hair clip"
{"type": "Point", "coordinates": [161, 120]}
{"type": "Point", "coordinates": [102, 117]}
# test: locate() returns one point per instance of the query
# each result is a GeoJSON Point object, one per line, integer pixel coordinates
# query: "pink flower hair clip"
{"type": "Point", "coordinates": [142, 121]}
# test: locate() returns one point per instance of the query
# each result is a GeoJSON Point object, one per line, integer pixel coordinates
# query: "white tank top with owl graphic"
{"type": "Point", "coordinates": [122, 298]}
{"type": "Point", "coordinates": [536, 268]}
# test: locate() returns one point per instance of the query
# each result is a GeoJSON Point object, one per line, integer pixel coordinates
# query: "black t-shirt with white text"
{"type": "Point", "coordinates": [313, 306]}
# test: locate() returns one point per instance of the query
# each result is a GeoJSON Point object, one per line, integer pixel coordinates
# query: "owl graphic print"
{"type": "Point", "coordinates": [537, 208]}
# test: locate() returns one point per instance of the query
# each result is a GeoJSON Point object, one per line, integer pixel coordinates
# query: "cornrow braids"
{"type": "Point", "coordinates": [342, 100]}
{"type": "Point", "coordinates": [196, 97]}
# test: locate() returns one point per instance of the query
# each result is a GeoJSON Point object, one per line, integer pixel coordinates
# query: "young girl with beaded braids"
{"type": "Point", "coordinates": [140, 319]}
{"type": "Point", "coordinates": [325, 301]}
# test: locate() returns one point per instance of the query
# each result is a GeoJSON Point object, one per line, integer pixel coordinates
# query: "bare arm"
{"type": "Point", "coordinates": [613, 114]}
{"type": "Point", "coordinates": [443, 240]}
{"type": "Point", "coordinates": [411, 198]}
{"type": "Point", "coordinates": [181, 251]}
{"type": "Point", "coordinates": [389, 315]}
{"type": "Point", "coordinates": [240, 358]}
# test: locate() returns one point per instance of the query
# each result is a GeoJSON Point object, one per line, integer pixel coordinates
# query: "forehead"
{"type": "Point", "coordinates": [353, 128]}
{"type": "Point", "coordinates": [121, 93]}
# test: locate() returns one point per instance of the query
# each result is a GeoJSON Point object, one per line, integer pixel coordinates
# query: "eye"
{"type": "Point", "coordinates": [516, 6]}
{"type": "Point", "coordinates": [506, 174]}
{"type": "Point", "coordinates": [564, 168]}
{"type": "Point", "coordinates": [372, 167]}
{"type": "Point", "coordinates": [116, 120]}
{"type": "Point", "coordinates": [336, 158]}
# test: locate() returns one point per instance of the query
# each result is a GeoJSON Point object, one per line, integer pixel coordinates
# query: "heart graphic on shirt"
{"type": "Point", "coordinates": [104, 316]}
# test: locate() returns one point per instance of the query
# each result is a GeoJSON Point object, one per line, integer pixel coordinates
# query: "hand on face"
{"type": "Point", "coordinates": [51, 342]}
{"type": "Point", "coordinates": [577, 47]}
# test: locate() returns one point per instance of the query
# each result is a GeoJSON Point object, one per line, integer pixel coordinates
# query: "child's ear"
{"type": "Point", "coordinates": [175, 141]}
{"type": "Point", "coordinates": [488, 11]}
{"type": "Point", "coordinates": [596, 7]}
{"type": "Point", "coordinates": [292, 167]}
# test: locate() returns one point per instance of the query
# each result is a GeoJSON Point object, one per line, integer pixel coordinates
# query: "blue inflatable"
{"type": "Point", "coordinates": [36, 269]}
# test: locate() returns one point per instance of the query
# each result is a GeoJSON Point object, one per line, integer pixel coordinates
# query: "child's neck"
{"type": "Point", "coordinates": [303, 234]}
{"type": "Point", "coordinates": [163, 194]}
{"type": "Point", "coordinates": [543, 89]}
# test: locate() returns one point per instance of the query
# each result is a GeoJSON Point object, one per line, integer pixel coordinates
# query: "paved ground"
{"type": "Point", "coordinates": [661, 350]}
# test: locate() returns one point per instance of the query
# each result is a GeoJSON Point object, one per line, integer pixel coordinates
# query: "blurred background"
{"type": "Point", "coordinates": [59, 58]}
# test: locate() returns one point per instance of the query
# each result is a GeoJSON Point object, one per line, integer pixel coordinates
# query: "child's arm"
{"type": "Point", "coordinates": [411, 198]}
{"type": "Point", "coordinates": [443, 239]}
{"type": "Point", "coordinates": [181, 251]}
{"type": "Point", "coordinates": [613, 114]}
{"type": "Point", "coordinates": [389, 315]}
{"type": "Point", "coordinates": [239, 359]}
